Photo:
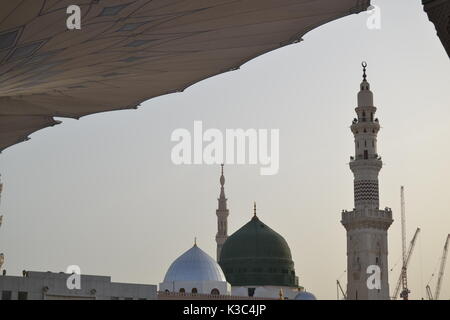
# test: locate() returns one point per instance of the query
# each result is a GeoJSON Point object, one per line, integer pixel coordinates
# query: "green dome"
{"type": "Point", "coordinates": [256, 255]}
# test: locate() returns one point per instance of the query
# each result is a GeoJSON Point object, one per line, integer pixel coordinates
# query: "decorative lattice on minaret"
{"type": "Point", "coordinates": [222, 217]}
{"type": "Point", "coordinates": [366, 224]}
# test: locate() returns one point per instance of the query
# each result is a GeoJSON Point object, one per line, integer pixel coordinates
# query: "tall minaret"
{"type": "Point", "coordinates": [366, 224]}
{"type": "Point", "coordinates": [222, 217]}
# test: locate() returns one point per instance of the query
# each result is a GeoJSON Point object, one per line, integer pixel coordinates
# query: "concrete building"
{"type": "Point", "coordinates": [2, 256]}
{"type": "Point", "coordinates": [54, 286]}
{"type": "Point", "coordinates": [366, 224]}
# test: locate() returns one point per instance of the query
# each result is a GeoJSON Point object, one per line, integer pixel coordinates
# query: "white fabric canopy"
{"type": "Point", "coordinates": [128, 51]}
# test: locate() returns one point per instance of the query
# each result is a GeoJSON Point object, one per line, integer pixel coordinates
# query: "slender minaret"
{"type": "Point", "coordinates": [222, 217]}
{"type": "Point", "coordinates": [366, 224]}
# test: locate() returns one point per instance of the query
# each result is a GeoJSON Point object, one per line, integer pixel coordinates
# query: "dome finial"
{"type": "Point", "coordinates": [364, 65]}
{"type": "Point", "coordinates": [254, 208]}
{"type": "Point", "coordinates": [195, 241]}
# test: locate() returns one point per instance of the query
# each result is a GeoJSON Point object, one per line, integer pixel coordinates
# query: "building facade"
{"type": "Point", "coordinates": [366, 224]}
{"type": "Point", "coordinates": [2, 256]}
{"type": "Point", "coordinates": [53, 286]}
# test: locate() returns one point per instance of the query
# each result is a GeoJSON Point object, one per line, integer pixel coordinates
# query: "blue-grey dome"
{"type": "Point", "coordinates": [303, 295]}
{"type": "Point", "coordinates": [194, 265]}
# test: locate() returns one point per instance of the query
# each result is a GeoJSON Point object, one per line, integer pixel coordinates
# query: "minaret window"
{"type": "Point", "coordinates": [371, 116]}
{"type": "Point", "coordinates": [366, 154]}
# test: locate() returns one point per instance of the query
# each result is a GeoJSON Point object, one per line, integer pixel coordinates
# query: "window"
{"type": "Point", "coordinates": [23, 295]}
{"type": "Point", "coordinates": [182, 290]}
{"type": "Point", "coordinates": [215, 291]}
{"type": "Point", "coordinates": [194, 290]}
{"type": "Point", "coordinates": [114, 298]}
{"type": "Point", "coordinates": [366, 154]}
{"type": "Point", "coordinates": [251, 292]}
{"type": "Point", "coordinates": [6, 295]}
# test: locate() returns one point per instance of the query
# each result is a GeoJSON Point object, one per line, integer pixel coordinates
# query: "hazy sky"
{"type": "Point", "coordinates": [102, 192]}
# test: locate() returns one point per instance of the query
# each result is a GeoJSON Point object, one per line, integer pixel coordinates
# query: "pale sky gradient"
{"type": "Point", "coordinates": [102, 192]}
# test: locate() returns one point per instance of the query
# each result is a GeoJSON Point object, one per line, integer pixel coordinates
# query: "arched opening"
{"type": "Point", "coordinates": [182, 290]}
{"type": "Point", "coordinates": [194, 290]}
{"type": "Point", "coordinates": [366, 154]}
{"type": "Point", "coordinates": [215, 291]}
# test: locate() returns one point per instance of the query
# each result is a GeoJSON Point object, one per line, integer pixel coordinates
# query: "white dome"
{"type": "Point", "coordinates": [304, 295]}
{"type": "Point", "coordinates": [194, 265]}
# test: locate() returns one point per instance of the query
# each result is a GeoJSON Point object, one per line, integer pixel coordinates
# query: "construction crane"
{"type": "Point", "coordinates": [405, 291]}
{"type": "Point", "coordinates": [339, 288]}
{"type": "Point", "coordinates": [440, 274]}
{"type": "Point", "coordinates": [401, 280]}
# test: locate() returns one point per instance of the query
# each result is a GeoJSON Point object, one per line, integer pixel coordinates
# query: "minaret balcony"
{"type": "Point", "coordinates": [367, 218]}
{"type": "Point", "coordinates": [359, 126]}
{"type": "Point", "coordinates": [361, 157]}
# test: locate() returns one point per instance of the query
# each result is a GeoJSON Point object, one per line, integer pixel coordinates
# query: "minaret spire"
{"type": "Point", "coordinates": [364, 65]}
{"type": "Point", "coordinates": [254, 208]}
{"type": "Point", "coordinates": [222, 216]}
{"type": "Point", "coordinates": [366, 224]}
